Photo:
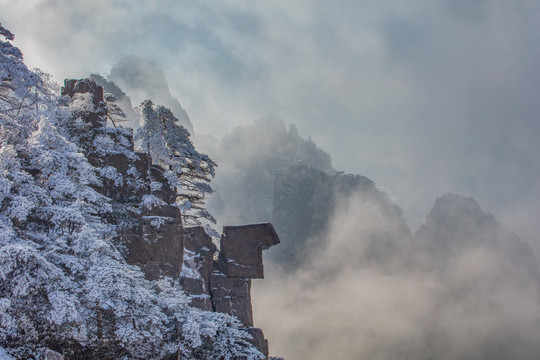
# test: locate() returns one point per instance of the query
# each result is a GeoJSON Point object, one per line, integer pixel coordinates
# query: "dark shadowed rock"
{"type": "Point", "coordinates": [241, 249]}
{"type": "Point", "coordinates": [200, 244]}
{"type": "Point", "coordinates": [305, 200]}
{"type": "Point", "coordinates": [158, 247]}
{"type": "Point", "coordinates": [197, 266]}
{"type": "Point", "coordinates": [67, 89]}
{"type": "Point", "coordinates": [152, 173]}
{"type": "Point", "coordinates": [453, 212]}
{"type": "Point", "coordinates": [198, 292]}
{"type": "Point", "coordinates": [165, 193]}
{"type": "Point", "coordinates": [232, 296]}
{"type": "Point", "coordinates": [72, 86]}
{"type": "Point", "coordinates": [250, 156]}
{"type": "Point", "coordinates": [142, 166]}
{"type": "Point", "coordinates": [119, 161]}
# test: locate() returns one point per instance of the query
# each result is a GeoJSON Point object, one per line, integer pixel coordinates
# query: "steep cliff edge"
{"type": "Point", "coordinates": [149, 223]}
{"type": "Point", "coordinates": [94, 252]}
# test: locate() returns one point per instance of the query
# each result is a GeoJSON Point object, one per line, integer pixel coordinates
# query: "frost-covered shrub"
{"type": "Point", "coordinates": [168, 145]}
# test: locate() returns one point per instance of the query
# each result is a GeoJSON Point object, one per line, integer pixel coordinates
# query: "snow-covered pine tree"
{"type": "Point", "coordinates": [168, 145]}
{"type": "Point", "coordinates": [63, 284]}
{"type": "Point", "coordinates": [46, 201]}
{"type": "Point", "coordinates": [114, 112]}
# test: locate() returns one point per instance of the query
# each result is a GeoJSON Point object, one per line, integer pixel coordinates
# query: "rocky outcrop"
{"type": "Point", "coordinates": [198, 264]}
{"type": "Point", "coordinates": [258, 340]}
{"type": "Point", "coordinates": [149, 223]}
{"type": "Point", "coordinates": [95, 117]}
{"type": "Point", "coordinates": [232, 296]}
{"type": "Point", "coordinates": [225, 285]}
{"type": "Point", "coordinates": [120, 97]}
{"type": "Point", "coordinates": [159, 248]}
{"type": "Point", "coordinates": [83, 86]}
{"type": "Point", "coordinates": [242, 247]}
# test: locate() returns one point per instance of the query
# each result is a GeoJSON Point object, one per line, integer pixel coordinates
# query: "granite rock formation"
{"type": "Point", "coordinates": [304, 202]}
{"type": "Point", "coordinates": [198, 264]}
{"type": "Point", "coordinates": [151, 233]}
{"type": "Point", "coordinates": [241, 249]}
{"type": "Point", "coordinates": [121, 98]}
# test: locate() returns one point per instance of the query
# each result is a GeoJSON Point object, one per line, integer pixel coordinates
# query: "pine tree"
{"type": "Point", "coordinates": [168, 145]}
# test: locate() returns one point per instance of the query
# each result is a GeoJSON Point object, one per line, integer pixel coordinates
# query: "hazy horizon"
{"type": "Point", "coordinates": [423, 97]}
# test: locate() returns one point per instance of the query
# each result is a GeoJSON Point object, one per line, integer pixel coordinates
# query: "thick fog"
{"type": "Point", "coordinates": [475, 297]}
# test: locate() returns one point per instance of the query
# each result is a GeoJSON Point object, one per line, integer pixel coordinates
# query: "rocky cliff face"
{"type": "Point", "coordinates": [304, 203]}
{"type": "Point", "coordinates": [121, 98]}
{"type": "Point", "coordinates": [149, 223]}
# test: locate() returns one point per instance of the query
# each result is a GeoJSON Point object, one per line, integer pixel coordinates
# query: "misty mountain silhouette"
{"type": "Point", "coordinates": [143, 80]}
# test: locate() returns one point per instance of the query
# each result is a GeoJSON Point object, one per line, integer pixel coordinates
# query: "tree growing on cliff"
{"type": "Point", "coordinates": [168, 144]}
{"type": "Point", "coordinates": [63, 284]}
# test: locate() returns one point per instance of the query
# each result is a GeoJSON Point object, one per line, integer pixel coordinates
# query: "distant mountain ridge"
{"type": "Point", "coordinates": [457, 223]}
{"type": "Point", "coordinates": [270, 173]}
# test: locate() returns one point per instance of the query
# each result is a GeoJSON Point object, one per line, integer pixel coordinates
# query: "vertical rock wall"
{"type": "Point", "coordinates": [148, 219]}
{"type": "Point", "coordinates": [225, 285]}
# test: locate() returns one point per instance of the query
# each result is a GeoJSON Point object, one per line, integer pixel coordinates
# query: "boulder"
{"type": "Point", "coordinates": [241, 249]}
{"type": "Point", "coordinates": [142, 165]}
{"type": "Point", "coordinates": [97, 117]}
{"type": "Point", "coordinates": [67, 89]}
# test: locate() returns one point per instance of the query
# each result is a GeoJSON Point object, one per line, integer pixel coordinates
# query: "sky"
{"type": "Point", "coordinates": [422, 96]}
